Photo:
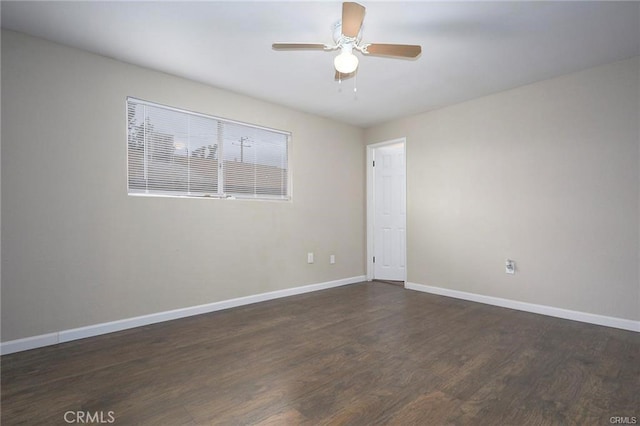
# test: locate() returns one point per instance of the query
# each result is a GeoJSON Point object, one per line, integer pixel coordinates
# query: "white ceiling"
{"type": "Point", "coordinates": [469, 49]}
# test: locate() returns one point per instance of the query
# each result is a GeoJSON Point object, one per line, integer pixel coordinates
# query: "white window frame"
{"type": "Point", "coordinates": [220, 194]}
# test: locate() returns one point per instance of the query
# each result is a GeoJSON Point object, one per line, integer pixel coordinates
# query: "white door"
{"type": "Point", "coordinates": [390, 215]}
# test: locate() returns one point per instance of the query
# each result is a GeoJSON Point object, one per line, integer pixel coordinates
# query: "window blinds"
{"type": "Point", "coordinates": [176, 152]}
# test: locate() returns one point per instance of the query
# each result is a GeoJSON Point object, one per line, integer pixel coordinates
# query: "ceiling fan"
{"type": "Point", "coordinates": [347, 37]}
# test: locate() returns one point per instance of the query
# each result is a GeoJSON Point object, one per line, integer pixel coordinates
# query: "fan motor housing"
{"type": "Point", "coordinates": [340, 38]}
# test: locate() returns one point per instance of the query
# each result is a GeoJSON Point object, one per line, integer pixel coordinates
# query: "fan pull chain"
{"type": "Point", "coordinates": [355, 86]}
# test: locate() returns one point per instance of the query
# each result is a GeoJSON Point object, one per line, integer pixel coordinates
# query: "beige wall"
{"type": "Point", "coordinates": [546, 174]}
{"type": "Point", "coordinates": [76, 250]}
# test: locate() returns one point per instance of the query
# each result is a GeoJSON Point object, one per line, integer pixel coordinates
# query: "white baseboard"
{"type": "Point", "coordinates": [614, 322]}
{"type": "Point", "coordinates": [25, 344]}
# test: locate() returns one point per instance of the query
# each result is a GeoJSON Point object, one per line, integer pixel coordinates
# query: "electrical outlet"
{"type": "Point", "coordinates": [332, 259]}
{"type": "Point", "coordinates": [309, 257]}
{"type": "Point", "coordinates": [510, 266]}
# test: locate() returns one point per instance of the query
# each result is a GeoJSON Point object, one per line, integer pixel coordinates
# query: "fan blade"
{"type": "Point", "coordinates": [352, 17]}
{"type": "Point", "coordinates": [339, 76]}
{"type": "Point", "coordinates": [402, 50]}
{"type": "Point", "coordinates": [286, 46]}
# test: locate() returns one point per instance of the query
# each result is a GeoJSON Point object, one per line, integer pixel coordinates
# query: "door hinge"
{"type": "Point", "coordinates": [374, 259]}
{"type": "Point", "coordinates": [374, 163]}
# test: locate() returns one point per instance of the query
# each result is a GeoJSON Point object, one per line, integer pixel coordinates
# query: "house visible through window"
{"type": "Point", "coordinates": [176, 152]}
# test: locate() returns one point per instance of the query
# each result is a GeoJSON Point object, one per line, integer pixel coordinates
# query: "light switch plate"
{"type": "Point", "coordinates": [510, 266]}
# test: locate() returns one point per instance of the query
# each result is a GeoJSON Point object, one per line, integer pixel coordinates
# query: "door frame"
{"type": "Point", "coordinates": [371, 203]}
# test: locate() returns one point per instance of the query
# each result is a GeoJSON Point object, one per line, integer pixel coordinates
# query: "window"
{"type": "Point", "coordinates": [177, 152]}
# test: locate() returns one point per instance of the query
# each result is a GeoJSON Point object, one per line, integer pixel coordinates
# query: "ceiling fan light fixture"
{"type": "Point", "coordinates": [346, 62]}
{"type": "Point", "coordinates": [347, 36]}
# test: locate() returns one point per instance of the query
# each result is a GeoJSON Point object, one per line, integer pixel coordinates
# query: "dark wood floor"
{"type": "Point", "coordinates": [360, 355]}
